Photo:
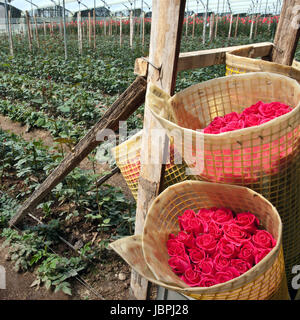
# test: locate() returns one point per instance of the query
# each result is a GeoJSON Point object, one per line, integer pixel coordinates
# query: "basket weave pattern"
{"type": "Point", "coordinates": [265, 158]}
{"type": "Point", "coordinates": [265, 280]}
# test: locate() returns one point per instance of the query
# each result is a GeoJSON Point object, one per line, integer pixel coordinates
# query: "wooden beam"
{"type": "Point", "coordinates": [166, 31]}
{"type": "Point", "coordinates": [204, 58]}
{"type": "Point", "coordinates": [287, 33]}
{"type": "Point", "coordinates": [121, 109]}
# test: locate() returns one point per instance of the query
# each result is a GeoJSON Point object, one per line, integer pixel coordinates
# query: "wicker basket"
{"type": "Point", "coordinates": [241, 61]}
{"type": "Point", "coordinates": [149, 257]}
{"type": "Point", "coordinates": [265, 158]}
{"type": "Point", "coordinates": [128, 155]}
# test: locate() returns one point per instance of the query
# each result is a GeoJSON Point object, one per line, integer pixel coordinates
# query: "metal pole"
{"type": "Point", "coordinates": [65, 31]}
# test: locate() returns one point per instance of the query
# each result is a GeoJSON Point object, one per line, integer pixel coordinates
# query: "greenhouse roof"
{"type": "Point", "coordinates": [197, 6]}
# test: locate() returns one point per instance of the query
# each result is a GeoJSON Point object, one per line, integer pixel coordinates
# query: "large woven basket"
{"type": "Point", "coordinates": [128, 156]}
{"type": "Point", "coordinates": [265, 158]}
{"type": "Point", "coordinates": [148, 255]}
{"type": "Point", "coordinates": [241, 61]}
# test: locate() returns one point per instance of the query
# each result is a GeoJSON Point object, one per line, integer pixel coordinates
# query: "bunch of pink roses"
{"type": "Point", "coordinates": [215, 246]}
{"type": "Point", "coordinates": [255, 115]}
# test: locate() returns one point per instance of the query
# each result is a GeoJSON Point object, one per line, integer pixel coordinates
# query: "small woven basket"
{"type": "Point", "coordinates": [265, 158]}
{"type": "Point", "coordinates": [240, 61]}
{"type": "Point", "coordinates": [128, 155]}
{"type": "Point", "coordinates": [266, 280]}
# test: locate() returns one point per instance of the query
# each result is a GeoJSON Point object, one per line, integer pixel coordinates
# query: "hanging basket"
{"type": "Point", "coordinates": [148, 254]}
{"type": "Point", "coordinates": [265, 158]}
{"type": "Point", "coordinates": [128, 155]}
{"type": "Point", "coordinates": [241, 61]}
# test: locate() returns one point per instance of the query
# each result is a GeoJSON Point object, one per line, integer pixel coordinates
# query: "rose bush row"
{"type": "Point", "coordinates": [215, 245]}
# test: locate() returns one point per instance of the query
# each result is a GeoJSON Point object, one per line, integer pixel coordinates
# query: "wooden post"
{"type": "Point", "coordinates": [236, 26]}
{"type": "Point", "coordinates": [256, 25]}
{"type": "Point", "coordinates": [36, 32]}
{"type": "Point", "coordinates": [131, 30]}
{"type": "Point", "coordinates": [94, 27]}
{"type": "Point", "coordinates": [251, 28]}
{"type": "Point", "coordinates": [121, 109]}
{"type": "Point", "coordinates": [90, 29]}
{"type": "Point", "coordinates": [194, 21]}
{"type": "Point", "coordinates": [216, 28]}
{"type": "Point", "coordinates": [11, 47]}
{"type": "Point", "coordinates": [28, 31]}
{"type": "Point", "coordinates": [230, 26]}
{"type": "Point", "coordinates": [211, 27]}
{"type": "Point", "coordinates": [45, 29]}
{"type": "Point", "coordinates": [143, 36]}
{"type": "Point", "coordinates": [166, 30]}
{"type": "Point", "coordinates": [287, 33]}
{"type": "Point", "coordinates": [204, 26]}
{"type": "Point", "coordinates": [79, 32]}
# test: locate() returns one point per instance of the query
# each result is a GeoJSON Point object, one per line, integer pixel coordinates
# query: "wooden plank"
{"type": "Point", "coordinates": [211, 27]}
{"type": "Point", "coordinates": [230, 26]}
{"type": "Point", "coordinates": [166, 31]}
{"type": "Point", "coordinates": [205, 58]}
{"type": "Point", "coordinates": [121, 109]}
{"type": "Point", "coordinates": [287, 33]}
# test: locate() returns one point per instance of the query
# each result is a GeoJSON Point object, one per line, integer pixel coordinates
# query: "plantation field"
{"type": "Point", "coordinates": [47, 104]}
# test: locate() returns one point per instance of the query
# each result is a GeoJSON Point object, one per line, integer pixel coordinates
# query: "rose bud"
{"type": "Point", "coordinates": [222, 216]}
{"type": "Point", "coordinates": [207, 242]}
{"type": "Point", "coordinates": [191, 277]}
{"type": "Point", "coordinates": [235, 234]}
{"type": "Point", "coordinates": [263, 239]}
{"type": "Point", "coordinates": [247, 221]}
{"type": "Point", "coordinates": [175, 248]}
{"type": "Point", "coordinates": [227, 249]}
{"type": "Point", "coordinates": [197, 255]}
{"type": "Point", "coordinates": [179, 264]}
{"type": "Point", "coordinates": [240, 265]}
{"type": "Point", "coordinates": [207, 281]}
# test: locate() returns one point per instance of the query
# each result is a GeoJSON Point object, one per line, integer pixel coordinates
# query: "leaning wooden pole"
{"type": "Point", "coordinates": [28, 31]}
{"type": "Point", "coordinates": [166, 31]}
{"type": "Point", "coordinates": [121, 109]}
{"type": "Point", "coordinates": [287, 33]}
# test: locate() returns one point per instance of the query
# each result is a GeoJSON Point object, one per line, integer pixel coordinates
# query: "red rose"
{"type": "Point", "coordinates": [263, 239]}
{"type": "Point", "coordinates": [175, 248]}
{"type": "Point", "coordinates": [264, 120]}
{"type": "Point", "coordinates": [247, 221]}
{"type": "Point", "coordinates": [179, 264]}
{"type": "Point", "coordinates": [232, 116]}
{"type": "Point", "coordinates": [197, 255]}
{"type": "Point", "coordinates": [220, 262]}
{"type": "Point", "coordinates": [252, 120]}
{"type": "Point", "coordinates": [207, 242]}
{"type": "Point", "coordinates": [240, 265]}
{"type": "Point", "coordinates": [247, 252]}
{"type": "Point", "coordinates": [215, 229]}
{"type": "Point", "coordinates": [233, 125]}
{"type": "Point", "coordinates": [194, 225]}
{"type": "Point", "coordinates": [254, 109]}
{"type": "Point", "coordinates": [223, 276]}
{"type": "Point", "coordinates": [191, 277]}
{"type": "Point", "coordinates": [187, 239]}
{"type": "Point", "coordinates": [233, 233]}
{"type": "Point", "coordinates": [260, 254]}
{"type": "Point", "coordinates": [266, 110]}
{"type": "Point", "coordinates": [205, 214]}
{"type": "Point", "coordinates": [205, 267]}
{"type": "Point", "coordinates": [227, 249]}
{"type": "Point", "coordinates": [207, 281]}
{"type": "Point", "coordinates": [187, 215]}
{"type": "Point", "coordinates": [222, 216]}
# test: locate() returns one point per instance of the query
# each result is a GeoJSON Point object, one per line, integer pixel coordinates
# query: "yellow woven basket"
{"type": "Point", "coordinates": [265, 158]}
{"type": "Point", "coordinates": [240, 61]}
{"type": "Point", "coordinates": [148, 254]}
{"type": "Point", "coordinates": [128, 155]}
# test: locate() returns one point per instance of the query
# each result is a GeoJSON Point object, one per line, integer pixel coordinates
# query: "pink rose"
{"type": "Point", "coordinates": [222, 216]}
{"type": "Point", "coordinates": [175, 248]}
{"type": "Point", "coordinates": [205, 267]}
{"type": "Point", "coordinates": [191, 277]}
{"type": "Point", "coordinates": [240, 265]}
{"type": "Point", "coordinates": [247, 221]}
{"type": "Point", "coordinates": [197, 255]}
{"type": "Point", "coordinates": [263, 239]}
{"type": "Point", "coordinates": [207, 242]}
{"type": "Point", "coordinates": [227, 249]}
{"type": "Point", "coordinates": [233, 233]}
{"type": "Point", "coordinates": [179, 264]}
{"type": "Point", "coordinates": [260, 254]}
{"type": "Point", "coordinates": [220, 262]}
{"type": "Point", "coordinates": [207, 281]}
{"type": "Point", "coordinates": [247, 252]}
{"type": "Point", "coordinates": [215, 229]}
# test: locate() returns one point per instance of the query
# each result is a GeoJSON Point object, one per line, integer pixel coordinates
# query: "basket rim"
{"type": "Point", "coordinates": [272, 255]}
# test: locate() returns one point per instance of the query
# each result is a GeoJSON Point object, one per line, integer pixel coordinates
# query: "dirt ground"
{"type": "Point", "coordinates": [110, 281]}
